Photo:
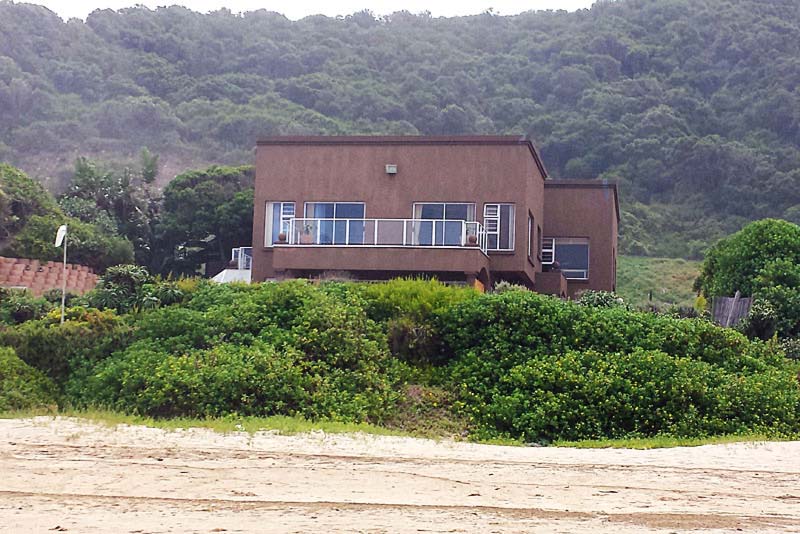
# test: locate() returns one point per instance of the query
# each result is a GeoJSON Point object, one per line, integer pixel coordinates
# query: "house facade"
{"type": "Point", "coordinates": [466, 209]}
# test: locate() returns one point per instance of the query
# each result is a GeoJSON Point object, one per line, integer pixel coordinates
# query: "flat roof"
{"type": "Point", "coordinates": [587, 184]}
{"type": "Point", "coordinates": [475, 140]}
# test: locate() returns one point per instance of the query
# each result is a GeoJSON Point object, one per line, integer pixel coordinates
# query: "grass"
{"type": "Point", "coordinates": [663, 442]}
{"type": "Point", "coordinates": [669, 279]}
{"type": "Point", "coordinates": [281, 424]}
{"type": "Point", "coordinates": [295, 425]}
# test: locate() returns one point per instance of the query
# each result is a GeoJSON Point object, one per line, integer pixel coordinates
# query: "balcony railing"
{"type": "Point", "coordinates": [385, 233]}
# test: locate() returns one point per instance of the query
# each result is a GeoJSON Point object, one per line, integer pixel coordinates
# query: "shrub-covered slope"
{"type": "Point", "coordinates": [512, 365]}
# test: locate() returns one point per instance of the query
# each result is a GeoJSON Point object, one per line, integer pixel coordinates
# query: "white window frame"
{"type": "Point", "coordinates": [531, 235]}
{"type": "Point", "coordinates": [334, 202]}
{"type": "Point", "coordinates": [550, 254]}
{"type": "Point", "coordinates": [333, 219]}
{"type": "Point", "coordinates": [492, 224]}
{"type": "Point", "coordinates": [472, 209]}
{"type": "Point", "coordinates": [286, 216]}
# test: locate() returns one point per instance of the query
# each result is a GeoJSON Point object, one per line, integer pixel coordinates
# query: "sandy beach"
{"type": "Point", "coordinates": [68, 475]}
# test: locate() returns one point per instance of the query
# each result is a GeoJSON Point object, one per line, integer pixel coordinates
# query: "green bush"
{"type": "Point", "coordinates": [734, 263]}
{"type": "Point", "coordinates": [534, 367]}
{"type": "Point", "coordinates": [409, 309]}
{"type": "Point", "coordinates": [289, 348]}
{"type": "Point", "coordinates": [591, 395]}
{"type": "Point", "coordinates": [19, 306]}
{"type": "Point", "coordinates": [59, 350]}
{"type": "Point", "coordinates": [21, 386]}
{"type": "Point", "coordinates": [87, 244]}
{"type": "Point", "coordinates": [411, 298]}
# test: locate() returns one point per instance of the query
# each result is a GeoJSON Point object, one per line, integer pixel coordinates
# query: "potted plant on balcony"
{"type": "Point", "coordinates": [306, 237]}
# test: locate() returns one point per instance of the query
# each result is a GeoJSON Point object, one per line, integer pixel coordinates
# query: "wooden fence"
{"type": "Point", "coordinates": [729, 311]}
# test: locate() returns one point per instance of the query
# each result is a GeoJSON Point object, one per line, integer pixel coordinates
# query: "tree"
{"type": "Point", "coordinates": [208, 211]}
{"type": "Point", "coordinates": [744, 261]}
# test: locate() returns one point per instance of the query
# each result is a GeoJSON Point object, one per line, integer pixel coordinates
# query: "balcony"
{"type": "Point", "coordinates": [382, 247]}
{"type": "Point", "coordinates": [385, 233]}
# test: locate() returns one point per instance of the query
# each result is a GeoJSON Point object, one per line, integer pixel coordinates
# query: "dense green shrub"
{"type": "Point", "coordinates": [19, 306]}
{"type": "Point", "coordinates": [409, 310]}
{"type": "Point", "coordinates": [289, 348]}
{"type": "Point", "coordinates": [59, 350]}
{"type": "Point", "coordinates": [535, 367]}
{"type": "Point", "coordinates": [584, 395]}
{"type": "Point", "coordinates": [412, 298]}
{"type": "Point", "coordinates": [22, 386]}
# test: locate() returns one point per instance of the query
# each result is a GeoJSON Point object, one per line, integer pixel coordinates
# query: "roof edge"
{"type": "Point", "coordinates": [475, 140]}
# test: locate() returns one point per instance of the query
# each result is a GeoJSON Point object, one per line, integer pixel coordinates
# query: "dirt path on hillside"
{"type": "Point", "coordinates": [63, 475]}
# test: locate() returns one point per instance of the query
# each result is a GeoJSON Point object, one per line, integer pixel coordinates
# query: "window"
{"type": "Point", "coordinates": [340, 222]}
{"type": "Point", "coordinates": [443, 223]}
{"type": "Point", "coordinates": [277, 220]}
{"type": "Point", "coordinates": [531, 236]}
{"type": "Point", "coordinates": [498, 220]}
{"type": "Point", "coordinates": [571, 254]}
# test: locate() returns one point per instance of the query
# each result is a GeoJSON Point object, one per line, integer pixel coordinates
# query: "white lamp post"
{"type": "Point", "coordinates": [61, 238]}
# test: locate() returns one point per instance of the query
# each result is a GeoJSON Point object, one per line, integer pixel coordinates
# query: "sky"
{"type": "Point", "coordinates": [298, 9]}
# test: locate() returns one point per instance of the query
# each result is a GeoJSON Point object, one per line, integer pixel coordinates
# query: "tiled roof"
{"type": "Point", "coordinates": [39, 277]}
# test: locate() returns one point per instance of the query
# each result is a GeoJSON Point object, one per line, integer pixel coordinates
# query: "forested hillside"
{"type": "Point", "coordinates": [692, 104]}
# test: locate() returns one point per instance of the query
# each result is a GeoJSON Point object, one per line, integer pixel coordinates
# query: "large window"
{"type": "Point", "coordinates": [277, 221]}
{"type": "Point", "coordinates": [498, 220]}
{"type": "Point", "coordinates": [570, 254]}
{"type": "Point", "coordinates": [341, 222]}
{"type": "Point", "coordinates": [442, 224]}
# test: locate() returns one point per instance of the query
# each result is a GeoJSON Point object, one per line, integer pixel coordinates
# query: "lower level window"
{"type": "Point", "coordinates": [569, 254]}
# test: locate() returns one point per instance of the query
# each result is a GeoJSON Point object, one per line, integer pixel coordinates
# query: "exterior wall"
{"type": "Point", "coordinates": [586, 209]}
{"type": "Point", "coordinates": [477, 170]}
{"type": "Point", "coordinates": [552, 284]}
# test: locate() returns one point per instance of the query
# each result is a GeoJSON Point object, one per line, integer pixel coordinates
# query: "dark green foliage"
{"type": "Point", "coordinates": [736, 262]}
{"type": "Point", "coordinates": [86, 244]}
{"type": "Point", "coordinates": [118, 202]}
{"type": "Point", "coordinates": [20, 199]}
{"type": "Point", "coordinates": [409, 309]}
{"type": "Point", "coordinates": [761, 321]}
{"type": "Point", "coordinates": [62, 350]}
{"type": "Point", "coordinates": [514, 364]}
{"type": "Point", "coordinates": [288, 348]}
{"type": "Point", "coordinates": [18, 306]}
{"type": "Point", "coordinates": [21, 386]}
{"type": "Point", "coordinates": [537, 368]}
{"type": "Point", "coordinates": [30, 219]}
{"type": "Point", "coordinates": [691, 105]}
{"type": "Point", "coordinates": [123, 288]}
{"type": "Point", "coordinates": [205, 214]}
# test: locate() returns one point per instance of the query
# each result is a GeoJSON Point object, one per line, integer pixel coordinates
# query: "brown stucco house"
{"type": "Point", "coordinates": [473, 209]}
